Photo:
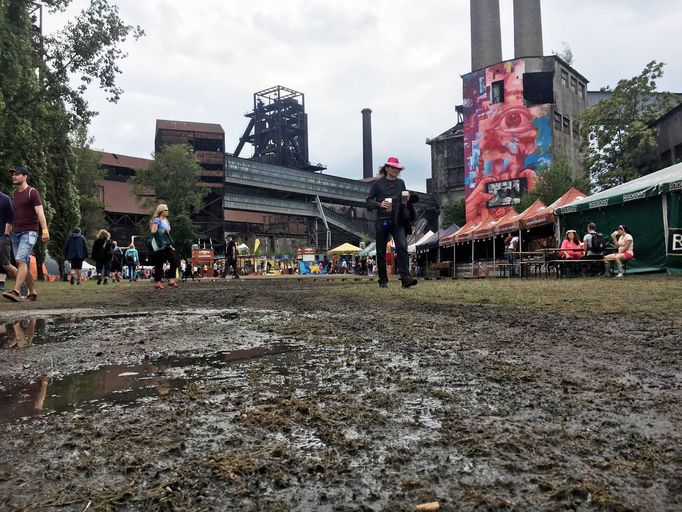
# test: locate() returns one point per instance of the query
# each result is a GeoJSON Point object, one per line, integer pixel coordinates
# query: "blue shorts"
{"type": "Point", "coordinates": [22, 245]}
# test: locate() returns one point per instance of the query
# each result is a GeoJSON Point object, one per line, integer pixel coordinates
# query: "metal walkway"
{"type": "Point", "coordinates": [330, 189]}
{"type": "Point", "coordinates": [287, 207]}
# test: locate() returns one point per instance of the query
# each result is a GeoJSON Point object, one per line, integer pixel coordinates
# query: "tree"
{"type": "Point", "coordinates": [454, 214]}
{"type": "Point", "coordinates": [174, 176]}
{"type": "Point", "coordinates": [619, 141]}
{"type": "Point", "coordinates": [86, 175]}
{"type": "Point", "coordinates": [42, 87]}
{"type": "Point", "coordinates": [553, 181]}
{"type": "Point", "coordinates": [565, 54]}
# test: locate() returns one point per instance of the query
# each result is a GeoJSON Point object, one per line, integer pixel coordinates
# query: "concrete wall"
{"type": "Point", "coordinates": [669, 137]}
{"type": "Point", "coordinates": [486, 38]}
{"type": "Point", "coordinates": [447, 168]}
{"type": "Point", "coordinates": [569, 103]}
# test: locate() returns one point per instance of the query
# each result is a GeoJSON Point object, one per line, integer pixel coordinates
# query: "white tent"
{"type": "Point", "coordinates": [411, 249]}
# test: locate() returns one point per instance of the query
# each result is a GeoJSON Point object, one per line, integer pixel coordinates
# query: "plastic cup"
{"type": "Point", "coordinates": [389, 200]}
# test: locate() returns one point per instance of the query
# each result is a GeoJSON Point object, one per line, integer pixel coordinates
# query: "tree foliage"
{"type": "Point", "coordinates": [173, 176]}
{"type": "Point", "coordinates": [42, 86]}
{"type": "Point", "coordinates": [454, 214]}
{"type": "Point", "coordinates": [619, 139]}
{"type": "Point", "coordinates": [553, 181]}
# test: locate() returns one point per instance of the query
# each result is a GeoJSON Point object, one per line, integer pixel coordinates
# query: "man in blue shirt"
{"type": "Point", "coordinates": [6, 220]}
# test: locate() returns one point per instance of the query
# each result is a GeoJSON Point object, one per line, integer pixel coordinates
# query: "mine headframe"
{"type": "Point", "coordinates": [278, 129]}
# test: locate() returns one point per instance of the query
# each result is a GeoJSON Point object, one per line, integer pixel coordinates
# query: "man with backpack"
{"type": "Point", "coordinates": [594, 244]}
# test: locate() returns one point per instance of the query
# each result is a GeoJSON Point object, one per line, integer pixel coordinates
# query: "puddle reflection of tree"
{"type": "Point", "coordinates": [20, 334]}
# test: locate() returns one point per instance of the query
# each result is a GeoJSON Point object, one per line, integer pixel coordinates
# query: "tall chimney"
{"type": "Point", "coordinates": [527, 29]}
{"type": "Point", "coordinates": [486, 38]}
{"type": "Point", "coordinates": [367, 143]}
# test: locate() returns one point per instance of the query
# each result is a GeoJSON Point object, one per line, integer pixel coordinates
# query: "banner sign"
{"type": "Point", "coordinates": [675, 242]}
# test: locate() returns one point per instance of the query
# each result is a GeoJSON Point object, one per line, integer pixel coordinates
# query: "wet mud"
{"type": "Point", "coordinates": [297, 396]}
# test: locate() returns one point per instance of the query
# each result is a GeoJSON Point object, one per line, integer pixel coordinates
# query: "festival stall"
{"type": "Point", "coordinates": [651, 206]}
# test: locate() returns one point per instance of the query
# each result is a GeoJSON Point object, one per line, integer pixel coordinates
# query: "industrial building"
{"type": "Point", "coordinates": [516, 115]}
{"type": "Point", "coordinates": [277, 195]}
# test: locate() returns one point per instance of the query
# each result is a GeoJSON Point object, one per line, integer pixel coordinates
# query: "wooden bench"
{"type": "Point", "coordinates": [444, 268]}
{"type": "Point", "coordinates": [562, 266]}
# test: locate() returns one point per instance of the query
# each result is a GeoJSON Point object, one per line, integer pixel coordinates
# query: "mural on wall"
{"type": "Point", "coordinates": [505, 141]}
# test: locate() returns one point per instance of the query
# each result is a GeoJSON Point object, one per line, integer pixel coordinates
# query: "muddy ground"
{"type": "Point", "coordinates": [287, 395]}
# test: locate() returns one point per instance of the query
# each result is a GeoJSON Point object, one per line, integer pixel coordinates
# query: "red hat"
{"type": "Point", "coordinates": [394, 162]}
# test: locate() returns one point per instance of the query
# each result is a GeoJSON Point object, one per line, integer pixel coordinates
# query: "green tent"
{"type": "Point", "coordinates": [651, 206]}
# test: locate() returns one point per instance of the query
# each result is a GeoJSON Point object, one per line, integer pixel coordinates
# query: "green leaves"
{"type": "Point", "coordinates": [619, 141]}
{"type": "Point", "coordinates": [174, 176]}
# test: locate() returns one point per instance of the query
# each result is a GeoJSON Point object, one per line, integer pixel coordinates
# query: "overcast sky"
{"type": "Point", "coordinates": [203, 60]}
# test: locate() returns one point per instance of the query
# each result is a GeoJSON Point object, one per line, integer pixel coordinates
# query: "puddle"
{"type": "Point", "coordinates": [91, 360]}
{"type": "Point", "coordinates": [124, 384]}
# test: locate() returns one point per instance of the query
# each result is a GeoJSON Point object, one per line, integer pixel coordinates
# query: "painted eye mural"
{"type": "Point", "coordinates": [504, 139]}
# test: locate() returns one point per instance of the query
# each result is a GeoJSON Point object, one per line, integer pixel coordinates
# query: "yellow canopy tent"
{"type": "Point", "coordinates": [345, 249]}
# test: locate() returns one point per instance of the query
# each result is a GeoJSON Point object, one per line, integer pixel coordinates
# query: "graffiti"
{"type": "Point", "coordinates": [504, 139]}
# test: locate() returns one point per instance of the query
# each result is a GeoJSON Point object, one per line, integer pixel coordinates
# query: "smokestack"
{"type": "Point", "coordinates": [527, 29]}
{"type": "Point", "coordinates": [367, 143]}
{"type": "Point", "coordinates": [486, 38]}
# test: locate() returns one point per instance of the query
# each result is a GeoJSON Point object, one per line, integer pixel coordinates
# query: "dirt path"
{"type": "Point", "coordinates": [326, 396]}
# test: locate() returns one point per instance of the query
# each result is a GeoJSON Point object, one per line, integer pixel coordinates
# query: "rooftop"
{"type": "Point", "coordinates": [186, 126]}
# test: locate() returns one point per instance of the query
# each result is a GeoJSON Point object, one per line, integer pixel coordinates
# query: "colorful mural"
{"type": "Point", "coordinates": [505, 141]}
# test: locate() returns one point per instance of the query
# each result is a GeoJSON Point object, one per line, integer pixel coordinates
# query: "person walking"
{"type": "Point", "coordinates": [76, 250]}
{"type": "Point", "coordinates": [162, 245]}
{"type": "Point", "coordinates": [132, 258]}
{"type": "Point", "coordinates": [29, 217]}
{"type": "Point", "coordinates": [6, 220]}
{"type": "Point", "coordinates": [395, 212]}
{"type": "Point", "coordinates": [102, 253]}
{"type": "Point", "coordinates": [231, 256]}
{"type": "Point", "coordinates": [116, 262]}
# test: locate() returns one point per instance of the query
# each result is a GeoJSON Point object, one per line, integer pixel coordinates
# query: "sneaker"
{"type": "Point", "coordinates": [99, 280]}
{"type": "Point", "coordinates": [31, 297]}
{"type": "Point", "coordinates": [173, 284]}
{"type": "Point", "coordinates": [105, 280]}
{"type": "Point", "coordinates": [410, 281]}
{"type": "Point", "coordinates": [73, 280]}
{"type": "Point", "coordinates": [619, 274]}
{"type": "Point", "coordinates": [383, 284]}
{"type": "Point", "coordinates": [159, 286]}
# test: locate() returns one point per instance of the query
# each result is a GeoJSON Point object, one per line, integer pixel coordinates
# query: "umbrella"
{"type": "Point", "coordinates": [345, 249]}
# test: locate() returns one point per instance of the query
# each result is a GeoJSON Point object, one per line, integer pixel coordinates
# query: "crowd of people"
{"type": "Point", "coordinates": [593, 246]}
{"type": "Point", "coordinates": [22, 219]}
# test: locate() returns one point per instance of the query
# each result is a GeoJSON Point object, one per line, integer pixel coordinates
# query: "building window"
{"type": "Point", "coordinates": [498, 92]}
{"type": "Point", "coordinates": [538, 88]}
{"type": "Point", "coordinates": [581, 89]}
{"type": "Point", "coordinates": [576, 131]}
{"type": "Point", "coordinates": [574, 85]}
{"type": "Point", "coordinates": [567, 125]}
{"type": "Point", "coordinates": [564, 78]}
{"type": "Point", "coordinates": [557, 121]}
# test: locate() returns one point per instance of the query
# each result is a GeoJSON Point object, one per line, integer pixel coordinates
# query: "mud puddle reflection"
{"type": "Point", "coordinates": [124, 384]}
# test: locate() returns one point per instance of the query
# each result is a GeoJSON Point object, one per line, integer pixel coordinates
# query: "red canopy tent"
{"type": "Point", "coordinates": [485, 229]}
{"type": "Point", "coordinates": [534, 210]}
{"type": "Point", "coordinates": [508, 223]}
{"type": "Point", "coordinates": [467, 233]}
{"type": "Point", "coordinates": [546, 216]}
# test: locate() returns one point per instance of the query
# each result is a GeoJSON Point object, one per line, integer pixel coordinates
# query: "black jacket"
{"type": "Point", "coordinates": [102, 251]}
{"type": "Point", "coordinates": [401, 214]}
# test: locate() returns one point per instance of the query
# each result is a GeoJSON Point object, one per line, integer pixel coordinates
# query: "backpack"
{"type": "Point", "coordinates": [130, 258]}
{"type": "Point", "coordinates": [596, 243]}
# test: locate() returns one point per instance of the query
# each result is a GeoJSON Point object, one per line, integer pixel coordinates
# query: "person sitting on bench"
{"type": "Point", "coordinates": [571, 247]}
{"type": "Point", "coordinates": [625, 243]}
{"type": "Point", "coordinates": [593, 244]}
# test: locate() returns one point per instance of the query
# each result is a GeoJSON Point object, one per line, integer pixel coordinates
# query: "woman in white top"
{"type": "Point", "coordinates": [625, 243]}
